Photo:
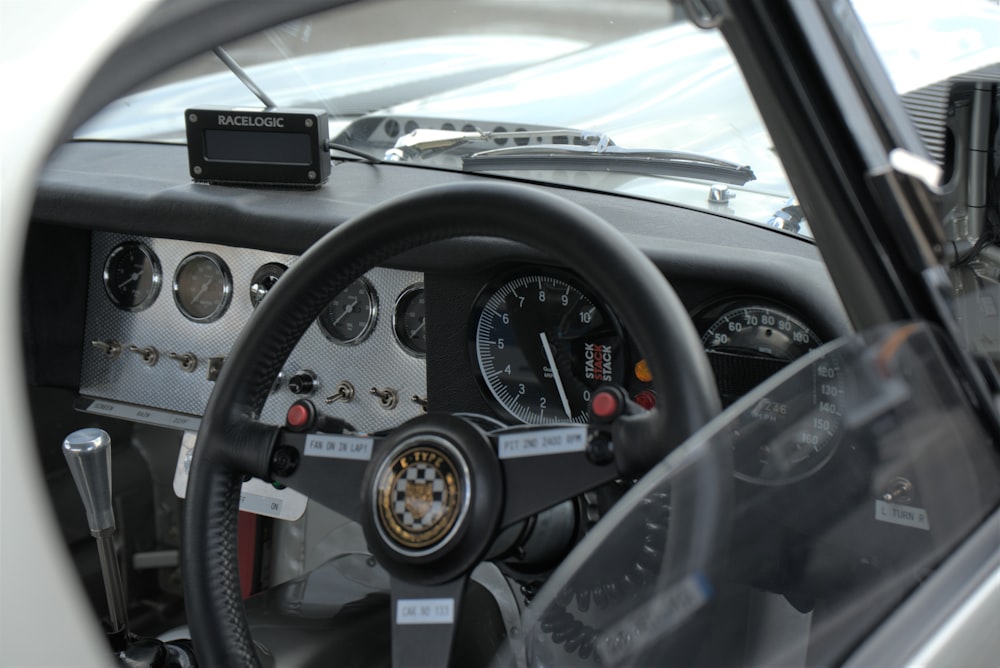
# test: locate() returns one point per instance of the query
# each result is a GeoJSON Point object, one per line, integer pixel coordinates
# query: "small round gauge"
{"type": "Point", "coordinates": [132, 276]}
{"type": "Point", "coordinates": [203, 287]}
{"type": "Point", "coordinates": [350, 317]}
{"type": "Point", "coordinates": [409, 320]}
{"type": "Point", "coordinates": [542, 345]}
{"type": "Point", "coordinates": [263, 280]}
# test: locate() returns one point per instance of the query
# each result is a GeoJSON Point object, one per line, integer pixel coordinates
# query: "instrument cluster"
{"type": "Point", "coordinates": [362, 359]}
{"type": "Point", "coordinates": [539, 342]}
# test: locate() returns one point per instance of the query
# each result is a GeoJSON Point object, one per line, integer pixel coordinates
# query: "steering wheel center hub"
{"type": "Point", "coordinates": [431, 499]}
{"type": "Point", "coordinates": [422, 492]}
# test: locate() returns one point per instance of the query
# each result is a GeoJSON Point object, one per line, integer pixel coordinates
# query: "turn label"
{"type": "Point", "coordinates": [907, 516]}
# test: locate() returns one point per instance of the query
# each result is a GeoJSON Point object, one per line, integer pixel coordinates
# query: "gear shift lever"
{"type": "Point", "coordinates": [88, 453]}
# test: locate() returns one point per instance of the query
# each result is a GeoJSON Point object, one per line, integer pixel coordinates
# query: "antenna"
{"type": "Point", "coordinates": [241, 74]}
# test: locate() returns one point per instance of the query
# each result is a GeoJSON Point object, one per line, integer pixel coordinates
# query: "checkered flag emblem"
{"type": "Point", "coordinates": [419, 500]}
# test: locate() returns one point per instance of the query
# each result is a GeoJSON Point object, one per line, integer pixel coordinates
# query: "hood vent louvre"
{"type": "Point", "coordinates": [928, 107]}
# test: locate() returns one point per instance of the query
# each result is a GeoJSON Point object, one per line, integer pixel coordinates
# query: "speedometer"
{"type": "Point", "coordinates": [747, 343]}
{"type": "Point", "coordinates": [794, 432]}
{"type": "Point", "coordinates": [541, 345]}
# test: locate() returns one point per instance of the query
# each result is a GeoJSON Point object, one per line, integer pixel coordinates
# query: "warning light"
{"type": "Point", "coordinates": [646, 399]}
{"type": "Point", "coordinates": [642, 372]}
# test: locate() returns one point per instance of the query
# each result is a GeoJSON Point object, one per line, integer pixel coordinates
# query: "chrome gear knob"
{"type": "Point", "coordinates": [88, 454]}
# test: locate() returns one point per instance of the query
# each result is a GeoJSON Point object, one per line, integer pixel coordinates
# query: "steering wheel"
{"type": "Point", "coordinates": [479, 491]}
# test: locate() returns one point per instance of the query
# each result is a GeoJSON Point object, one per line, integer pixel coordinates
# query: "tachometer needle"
{"type": "Point", "coordinates": [555, 374]}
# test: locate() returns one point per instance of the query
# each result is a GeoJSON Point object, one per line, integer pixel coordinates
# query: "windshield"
{"type": "Point", "coordinates": [516, 83]}
{"type": "Point", "coordinates": [672, 108]}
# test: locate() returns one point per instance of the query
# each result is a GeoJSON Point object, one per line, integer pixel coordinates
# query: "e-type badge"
{"type": "Point", "coordinates": [419, 497]}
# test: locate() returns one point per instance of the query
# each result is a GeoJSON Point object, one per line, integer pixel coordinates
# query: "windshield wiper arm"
{"type": "Point", "coordinates": [423, 141]}
{"type": "Point", "coordinates": [602, 157]}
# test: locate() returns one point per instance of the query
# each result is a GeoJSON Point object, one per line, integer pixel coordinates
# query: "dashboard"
{"type": "Point", "coordinates": [173, 270]}
{"type": "Point", "coordinates": [138, 283]}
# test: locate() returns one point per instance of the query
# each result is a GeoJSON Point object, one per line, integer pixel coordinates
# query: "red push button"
{"type": "Point", "coordinates": [605, 405]}
{"type": "Point", "coordinates": [298, 416]}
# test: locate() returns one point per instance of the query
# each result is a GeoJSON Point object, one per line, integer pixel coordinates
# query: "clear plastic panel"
{"type": "Point", "coordinates": [854, 472]}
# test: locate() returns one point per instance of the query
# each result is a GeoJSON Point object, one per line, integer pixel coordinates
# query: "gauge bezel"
{"type": "Point", "coordinates": [372, 319]}
{"type": "Point", "coordinates": [156, 278]}
{"type": "Point", "coordinates": [402, 298]}
{"type": "Point", "coordinates": [271, 269]}
{"type": "Point", "coordinates": [227, 287]}
{"type": "Point", "coordinates": [527, 271]}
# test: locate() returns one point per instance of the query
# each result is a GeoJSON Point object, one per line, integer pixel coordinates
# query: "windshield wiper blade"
{"type": "Point", "coordinates": [424, 141]}
{"type": "Point", "coordinates": [601, 157]}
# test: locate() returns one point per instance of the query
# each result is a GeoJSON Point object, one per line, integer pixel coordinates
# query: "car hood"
{"type": "Point", "coordinates": [347, 83]}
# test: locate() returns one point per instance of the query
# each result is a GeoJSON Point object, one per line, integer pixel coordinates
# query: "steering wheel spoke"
{"type": "Point", "coordinates": [423, 622]}
{"type": "Point", "coordinates": [324, 467]}
{"type": "Point", "coordinates": [545, 465]}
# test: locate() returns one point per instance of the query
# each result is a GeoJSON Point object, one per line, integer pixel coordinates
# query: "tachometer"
{"type": "Point", "coordinates": [542, 345]}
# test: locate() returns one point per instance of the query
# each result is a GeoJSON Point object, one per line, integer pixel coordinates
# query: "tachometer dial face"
{"type": "Point", "coordinates": [542, 345]}
{"type": "Point", "coordinates": [350, 317]}
{"type": "Point", "coordinates": [409, 321]}
{"type": "Point", "coordinates": [132, 276]}
{"type": "Point", "coordinates": [203, 287]}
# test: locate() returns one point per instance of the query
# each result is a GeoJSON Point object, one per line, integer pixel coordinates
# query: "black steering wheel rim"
{"type": "Point", "coordinates": [232, 444]}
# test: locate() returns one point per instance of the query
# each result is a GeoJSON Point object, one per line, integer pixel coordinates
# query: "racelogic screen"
{"type": "Point", "coordinates": [264, 147]}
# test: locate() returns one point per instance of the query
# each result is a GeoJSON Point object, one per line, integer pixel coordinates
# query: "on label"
{"type": "Point", "coordinates": [261, 505]}
{"type": "Point", "coordinates": [541, 442]}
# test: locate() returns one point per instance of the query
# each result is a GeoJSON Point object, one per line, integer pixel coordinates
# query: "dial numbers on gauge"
{"type": "Point", "coordinates": [132, 276]}
{"type": "Point", "coordinates": [409, 320]}
{"type": "Point", "coordinates": [542, 346]}
{"type": "Point", "coordinates": [762, 331]}
{"type": "Point", "coordinates": [746, 344]}
{"type": "Point", "coordinates": [203, 287]}
{"type": "Point", "coordinates": [350, 317]}
{"type": "Point", "coordinates": [793, 431]}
